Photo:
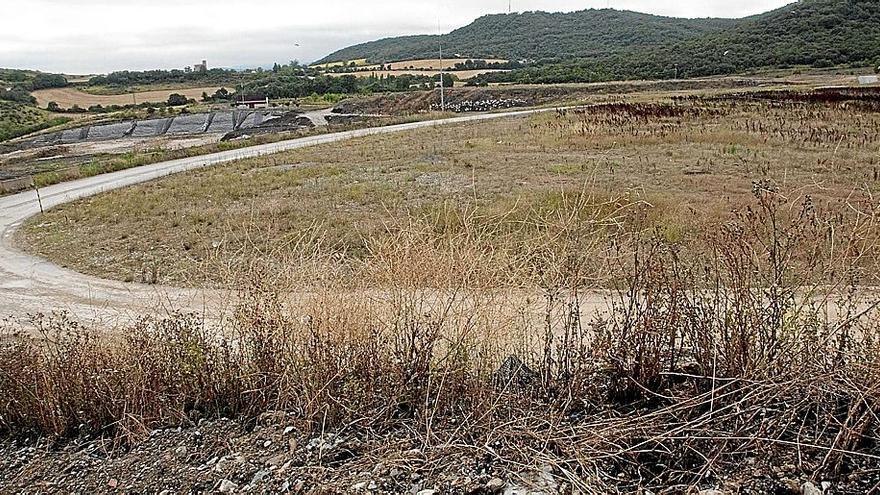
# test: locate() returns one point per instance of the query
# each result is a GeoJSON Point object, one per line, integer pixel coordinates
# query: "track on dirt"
{"type": "Point", "coordinates": [30, 285]}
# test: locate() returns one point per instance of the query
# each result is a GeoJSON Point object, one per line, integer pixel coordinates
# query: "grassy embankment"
{"type": "Point", "coordinates": [18, 119]}
{"type": "Point", "coordinates": [54, 171]}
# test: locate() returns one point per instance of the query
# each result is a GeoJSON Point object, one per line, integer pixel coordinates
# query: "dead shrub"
{"type": "Point", "coordinates": [756, 340]}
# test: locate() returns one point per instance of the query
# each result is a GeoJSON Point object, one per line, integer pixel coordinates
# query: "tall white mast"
{"type": "Point", "coordinates": [440, 43]}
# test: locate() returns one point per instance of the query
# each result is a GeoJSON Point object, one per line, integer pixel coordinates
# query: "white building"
{"type": "Point", "coordinates": [253, 103]}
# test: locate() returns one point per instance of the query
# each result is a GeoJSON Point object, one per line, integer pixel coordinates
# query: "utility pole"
{"type": "Point", "coordinates": [442, 90]}
{"type": "Point", "coordinates": [39, 198]}
{"type": "Point", "coordinates": [241, 86]}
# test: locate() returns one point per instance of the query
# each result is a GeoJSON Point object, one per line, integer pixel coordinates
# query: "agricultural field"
{"type": "Point", "coordinates": [428, 64]}
{"type": "Point", "coordinates": [330, 65]}
{"type": "Point", "coordinates": [70, 96]}
{"type": "Point", "coordinates": [149, 88]}
{"type": "Point", "coordinates": [421, 67]}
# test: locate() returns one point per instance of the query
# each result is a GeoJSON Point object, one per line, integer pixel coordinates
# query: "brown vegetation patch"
{"type": "Point", "coordinates": [753, 366]}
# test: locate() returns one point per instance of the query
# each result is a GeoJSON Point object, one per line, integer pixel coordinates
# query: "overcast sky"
{"type": "Point", "coordinates": [92, 36]}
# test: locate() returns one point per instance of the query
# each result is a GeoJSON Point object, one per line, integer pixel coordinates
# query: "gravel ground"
{"type": "Point", "coordinates": [274, 455]}
{"type": "Point", "coordinates": [270, 456]}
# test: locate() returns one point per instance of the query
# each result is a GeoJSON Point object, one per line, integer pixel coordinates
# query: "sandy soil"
{"type": "Point", "coordinates": [67, 97]}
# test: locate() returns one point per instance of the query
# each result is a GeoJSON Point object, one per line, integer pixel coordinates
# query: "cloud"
{"type": "Point", "coordinates": [90, 36]}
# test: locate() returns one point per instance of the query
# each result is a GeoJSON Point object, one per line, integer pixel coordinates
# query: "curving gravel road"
{"type": "Point", "coordinates": [30, 285]}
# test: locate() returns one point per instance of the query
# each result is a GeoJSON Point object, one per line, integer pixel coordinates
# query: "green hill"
{"type": "Point", "coordinates": [539, 35]}
{"type": "Point", "coordinates": [18, 112]}
{"type": "Point", "coordinates": [19, 119]}
{"type": "Point", "coordinates": [809, 32]}
{"type": "Point", "coordinates": [597, 45]}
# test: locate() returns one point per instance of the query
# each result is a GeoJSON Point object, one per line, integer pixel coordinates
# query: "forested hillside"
{"type": "Point", "coordinates": [809, 32]}
{"type": "Point", "coordinates": [600, 45]}
{"type": "Point", "coordinates": [18, 112]}
{"type": "Point", "coordinates": [540, 35]}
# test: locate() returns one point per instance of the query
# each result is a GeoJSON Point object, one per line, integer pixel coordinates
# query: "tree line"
{"type": "Point", "coordinates": [123, 79]}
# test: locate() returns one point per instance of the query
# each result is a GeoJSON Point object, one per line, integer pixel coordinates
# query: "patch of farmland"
{"type": "Point", "coordinates": [461, 74]}
{"type": "Point", "coordinates": [68, 97]}
{"type": "Point", "coordinates": [430, 64]}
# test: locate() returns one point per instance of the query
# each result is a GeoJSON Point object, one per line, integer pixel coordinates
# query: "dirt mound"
{"type": "Point", "coordinates": [457, 100]}
{"type": "Point", "coordinates": [277, 123]}
{"type": "Point", "coordinates": [485, 99]}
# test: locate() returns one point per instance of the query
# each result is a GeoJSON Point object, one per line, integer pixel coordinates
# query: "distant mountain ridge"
{"type": "Point", "coordinates": [538, 35]}
{"type": "Point", "coordinates": [594, 45]}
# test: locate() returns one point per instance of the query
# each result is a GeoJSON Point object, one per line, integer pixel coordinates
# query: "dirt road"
{"type": "Point", "coordinates": [30, 285]}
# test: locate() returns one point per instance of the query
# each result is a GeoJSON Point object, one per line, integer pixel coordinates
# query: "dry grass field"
{"type": "Point", "coordinates": [692, 161]}
{"type": "Point", "coordinates": [422, 67]}
{"type": "Point", "coordinates": [68, 97]}
{"type": "Point", "coordinates": [171, 87]}
{"type": "Point", "coordinates": [413, 306]}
